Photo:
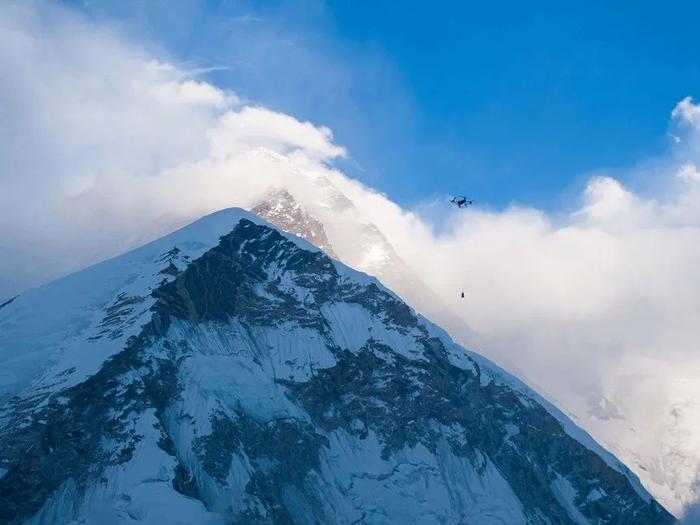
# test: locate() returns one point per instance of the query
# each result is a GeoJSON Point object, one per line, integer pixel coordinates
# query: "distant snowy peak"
{"type": "Point", "coordinates": [280, 208]}
{"type": "Point", "coordinates": [230, 373]}
{"type": "Point", "coordinates": [367, 250]}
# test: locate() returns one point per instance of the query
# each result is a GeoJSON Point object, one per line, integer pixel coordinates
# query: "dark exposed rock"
{"type": "Point", "coordinates": [119, 316]}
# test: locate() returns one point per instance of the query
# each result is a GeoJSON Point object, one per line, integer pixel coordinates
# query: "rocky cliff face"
{"type": "Point", "coordinates": [229, 373]}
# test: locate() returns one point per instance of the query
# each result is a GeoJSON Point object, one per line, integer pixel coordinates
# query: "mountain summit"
{"type": "Point", "coordinates": [285, 213]}
{"type": "Point", "coordinates": [231, 373]}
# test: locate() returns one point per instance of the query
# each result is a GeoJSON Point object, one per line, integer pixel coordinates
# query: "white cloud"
{"type": "Point", "coordinates": [191, 92]}
{"type": "Point", "coordinates": [607, 200]}
{"type": "Point", "coordinates": [686, 110]}
{"type": "Point", "coordinates": [689, 172]}
{"type": "Point", "coordinates": [103, 146]}
{"type": "Point", "coordinates": [254, 127]}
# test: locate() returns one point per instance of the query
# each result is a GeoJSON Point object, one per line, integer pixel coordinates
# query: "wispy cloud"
{"type": "Point", "coordinates": [247, 18]}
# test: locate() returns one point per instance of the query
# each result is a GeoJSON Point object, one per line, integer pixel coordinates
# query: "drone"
{"type": "Point", "coordinates": [461, 201]}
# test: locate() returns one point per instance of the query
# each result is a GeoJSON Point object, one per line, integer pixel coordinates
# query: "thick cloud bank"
{"type": "Point", "coordinates": [104, 146]}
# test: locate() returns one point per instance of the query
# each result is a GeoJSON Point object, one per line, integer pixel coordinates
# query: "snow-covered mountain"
{"type": "Point", "coordinates": [230, 373]}
{"type": "Point", "coordinates": [666, 457]}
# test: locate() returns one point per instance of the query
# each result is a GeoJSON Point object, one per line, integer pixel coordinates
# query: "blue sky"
{"type": "Point", "coordinates": [504, 101]}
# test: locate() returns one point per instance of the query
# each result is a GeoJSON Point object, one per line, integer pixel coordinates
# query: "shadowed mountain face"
{"type": "Point", "coordinates": [228, 373]}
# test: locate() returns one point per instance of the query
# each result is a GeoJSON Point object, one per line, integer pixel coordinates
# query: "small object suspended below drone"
{"type": "Point", "coordinates": [461, 201]}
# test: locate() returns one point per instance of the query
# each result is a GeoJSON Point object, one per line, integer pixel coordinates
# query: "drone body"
{"type": "Point", "coordinates": [461, 201]}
